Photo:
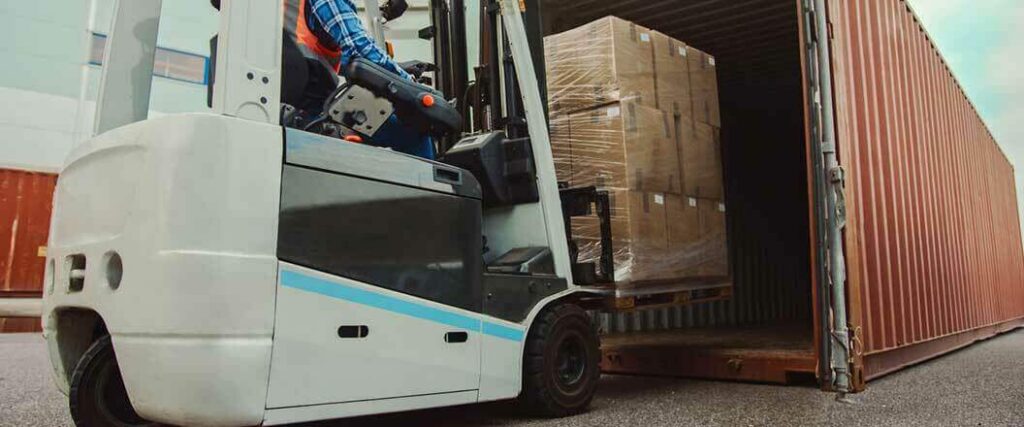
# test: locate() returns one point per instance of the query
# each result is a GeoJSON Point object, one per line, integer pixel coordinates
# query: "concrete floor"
{"type": "Point", "coordinates": [981, 385]}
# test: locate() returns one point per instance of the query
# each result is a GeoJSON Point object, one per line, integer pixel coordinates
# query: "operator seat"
{"type": "Point", "coordinates": [306, 80]}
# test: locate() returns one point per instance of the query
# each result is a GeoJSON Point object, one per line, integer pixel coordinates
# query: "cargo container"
{"type": "Point", "coordinates": [14, 325]}
{"type": "Point", "coordinates": [872, 217]}
{"type": "Point", "coordinates": [25, 200]}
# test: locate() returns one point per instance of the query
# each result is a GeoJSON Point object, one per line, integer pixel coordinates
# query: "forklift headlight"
{"type": "Point", "coordinates": [113, 269]}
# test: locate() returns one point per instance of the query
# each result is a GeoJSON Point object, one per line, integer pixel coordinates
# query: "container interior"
{"type": "Point", "coordinates": [757, 49]}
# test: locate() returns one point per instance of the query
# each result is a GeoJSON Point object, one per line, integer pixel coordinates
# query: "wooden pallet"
{"type": "Point", "coordinates": [630, 300]}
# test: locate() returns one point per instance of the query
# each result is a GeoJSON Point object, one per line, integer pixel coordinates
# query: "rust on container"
{"type": "Point", "coordinates": [25, 204]}
{"type": "Point", "coordinates": [933, 233]}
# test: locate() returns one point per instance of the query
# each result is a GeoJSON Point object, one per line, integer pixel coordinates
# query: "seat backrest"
{"type": "Point", "coordinates": [295, 73]}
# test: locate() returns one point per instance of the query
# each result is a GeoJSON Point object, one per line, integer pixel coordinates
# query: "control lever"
{"type": "Point", "coordinates": [416, 67]}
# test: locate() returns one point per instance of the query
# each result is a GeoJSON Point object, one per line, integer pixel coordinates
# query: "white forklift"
{"type": "Point", "coordinates": [255, 266]}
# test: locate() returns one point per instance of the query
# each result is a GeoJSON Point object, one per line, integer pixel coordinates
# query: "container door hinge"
{"type": "Point", "coordinates": [838, 177]}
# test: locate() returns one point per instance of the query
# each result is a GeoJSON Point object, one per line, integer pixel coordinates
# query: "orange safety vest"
{"type": "Point", "coordinates": [317, 43]}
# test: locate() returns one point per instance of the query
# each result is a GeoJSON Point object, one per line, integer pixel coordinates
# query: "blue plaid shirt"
{"type": "Point", "coordinates": [339, 19]}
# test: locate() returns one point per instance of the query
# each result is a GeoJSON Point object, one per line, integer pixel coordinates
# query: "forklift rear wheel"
{"type": "Point", "coordinates": [561, 363]}
{"type": "Point", "coordinates": [97, 396]}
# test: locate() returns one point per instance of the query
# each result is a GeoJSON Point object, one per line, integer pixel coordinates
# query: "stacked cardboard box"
{"type": "Point", "coordinates": [704, 85]}
{"type": "Point", "coordinates": [672, 80]}
{"type": "Point", "coordinates": [606, 61]}
{"type": "Point", "coordinates": [626, 117]}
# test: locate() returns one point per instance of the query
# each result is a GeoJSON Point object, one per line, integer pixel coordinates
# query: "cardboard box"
{"type": "Point", "coordinates": [639, 240]}
{"type": "Point", "coordinates": [697, 237]}
{"type": "Point", "coordinates": [605, 61]}
{"type": "Point", "coordinates": [714, 238]}
{"type": "Point", "coordinates": [622, 146]}
{"type": "Point", "coordinates": [659, 238]}
{"type": "Point", "coordinates": [672, 75]}
{"type": "Point", "coordinates": [700, 159]}
{"type": "Point", "coordinates": [704, 88]}
{"type": "Point", "coordinates": [561, 152]}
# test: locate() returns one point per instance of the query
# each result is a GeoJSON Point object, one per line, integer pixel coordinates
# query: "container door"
{"type": "Point", "coordinates": [827, 201]}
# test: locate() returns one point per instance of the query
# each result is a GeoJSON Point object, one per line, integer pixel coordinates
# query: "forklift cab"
{"type": "Point", "coordinates": [241, 267]}
{"type": "Point", "coordinates": [314, 99]}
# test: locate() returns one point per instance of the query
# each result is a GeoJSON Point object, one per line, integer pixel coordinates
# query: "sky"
{"type": "Point", "coordinates": [983, 41]}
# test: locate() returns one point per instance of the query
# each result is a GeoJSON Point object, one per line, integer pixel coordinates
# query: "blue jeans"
{"type": "Point", "coordinates": [404, 139]}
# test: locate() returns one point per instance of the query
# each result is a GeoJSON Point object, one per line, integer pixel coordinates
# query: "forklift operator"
{"type": "Point", "coordinates": [333, 31]}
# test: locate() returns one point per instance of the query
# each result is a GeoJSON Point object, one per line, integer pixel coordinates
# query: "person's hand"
{"type": "Point", "coordinates": [393, 9]}
{"type": "Point", "coordinates": [416, 68]}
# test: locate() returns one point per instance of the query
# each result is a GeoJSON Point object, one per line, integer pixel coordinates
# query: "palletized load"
{"type": "Point", "coordinates": [627, 118]}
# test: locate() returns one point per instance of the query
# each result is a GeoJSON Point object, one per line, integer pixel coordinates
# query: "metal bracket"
{"type": "Point", "coordinates": [360, 110]}
{"type": "Point", "coordinates": [838, 177]}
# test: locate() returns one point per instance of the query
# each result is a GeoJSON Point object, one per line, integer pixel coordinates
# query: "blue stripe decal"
{"type": "Point", "coordinates": [505, 332]}
{"type": "Point", "coordinates": [331, 289]}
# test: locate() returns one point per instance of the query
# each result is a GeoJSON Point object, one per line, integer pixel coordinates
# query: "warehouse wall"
{"type": "Point", "coordinates": [933, 240]}
{"type": "Point", "coordinates": [49, 86]}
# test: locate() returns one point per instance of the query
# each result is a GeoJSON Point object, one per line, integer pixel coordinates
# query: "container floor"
{"type": "Point", "coordinates": [780, 353]}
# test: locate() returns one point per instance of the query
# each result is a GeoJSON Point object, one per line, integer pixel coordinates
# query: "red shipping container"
{"type": "Point", "coordinates": [15, 325]}
{"type": "Point", "coordinates": [26, 199]}
{"type": "Point", "coordinates": [932, 239]}
{"type": "Point", "coordinates": [933, 236]}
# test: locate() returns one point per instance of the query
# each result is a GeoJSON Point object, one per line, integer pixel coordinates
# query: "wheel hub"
{"type": "Point", "coordinates": [570, 361]}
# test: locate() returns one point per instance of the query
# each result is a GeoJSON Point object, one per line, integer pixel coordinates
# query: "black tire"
{"type": "Point", "coordinates": [560, 366]}
{"type": "Point", "coordinates": [97, 397]}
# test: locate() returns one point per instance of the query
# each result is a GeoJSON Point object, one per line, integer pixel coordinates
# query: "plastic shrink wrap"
{"type": "Point", "coordinates": [661, 167]}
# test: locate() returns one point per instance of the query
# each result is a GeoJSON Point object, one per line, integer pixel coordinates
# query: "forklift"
{"type": "Point", "coordinates": [263, 265]}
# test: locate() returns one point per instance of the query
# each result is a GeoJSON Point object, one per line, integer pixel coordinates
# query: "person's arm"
{"type": "Point", "coordinates": [339, 19]}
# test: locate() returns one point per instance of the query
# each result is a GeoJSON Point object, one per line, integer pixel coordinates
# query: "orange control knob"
{"type": "Point", "coordinates": [354, 138]}
{"type": "Point", "coordinates": [428, 100]}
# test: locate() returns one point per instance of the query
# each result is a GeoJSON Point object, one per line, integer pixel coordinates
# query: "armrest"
{"type": "Point", "coordinates": [415, 105]}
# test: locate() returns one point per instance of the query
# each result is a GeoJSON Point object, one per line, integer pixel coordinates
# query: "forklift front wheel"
{"type": "Point", "coordinates": [561, 363]}
{"type": "Point", "coordinates": [97, 396]}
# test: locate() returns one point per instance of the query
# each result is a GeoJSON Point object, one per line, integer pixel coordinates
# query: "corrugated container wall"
{"type": "Point", "coordinates": [933, 239]}
{"type": "Point", "coordinates": [25, 200]}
